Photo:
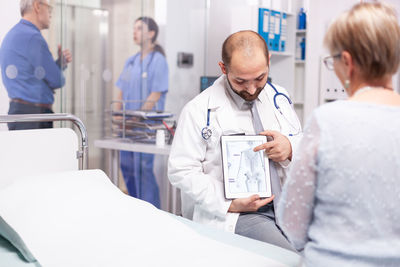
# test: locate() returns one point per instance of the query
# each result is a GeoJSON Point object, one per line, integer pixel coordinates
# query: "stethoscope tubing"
{"type": "Point", "coordinates": [278, 94]}
{"type": "Point", "coordinates": [207, 129]}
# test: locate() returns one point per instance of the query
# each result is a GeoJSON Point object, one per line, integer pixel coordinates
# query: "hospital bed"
{"type": "Point", "coordinates": [53, 212]}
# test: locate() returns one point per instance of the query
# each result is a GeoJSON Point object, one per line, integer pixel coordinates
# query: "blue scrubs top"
{"type": "Point", "coordinates": [141, 78]}
{"type": "Point", "coordinates": [28, 69]}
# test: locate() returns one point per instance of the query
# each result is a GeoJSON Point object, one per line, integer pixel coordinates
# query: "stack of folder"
{"type": "Point", "coordinates": [272, 26]}
{"type": "Point", "coordinates": [141, 126]}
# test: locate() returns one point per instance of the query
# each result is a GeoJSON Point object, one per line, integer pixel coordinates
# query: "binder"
{"type": "Point", "coordinates": [263, 23]}
{"type": "Point", "coordinates": [282, 46]}
{"type": "Point", "coordinates": [276, 30]}
{"type": "Point", "coordinates": [271, 30]}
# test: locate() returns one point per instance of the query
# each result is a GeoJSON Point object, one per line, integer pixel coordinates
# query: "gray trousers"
{"type": "Point", "coordinates": [261, 226]}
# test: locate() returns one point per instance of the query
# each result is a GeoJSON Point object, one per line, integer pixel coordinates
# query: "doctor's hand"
{"type": "Point", "coordinates": [279, 149]}
{"type": "Point", "coordinates": [252, 203]}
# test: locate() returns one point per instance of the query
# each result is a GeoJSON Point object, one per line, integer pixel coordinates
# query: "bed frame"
{"type": "Point", "coordinates": [82, 153]}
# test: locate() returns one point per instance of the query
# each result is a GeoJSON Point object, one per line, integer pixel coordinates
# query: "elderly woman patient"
{"type": "Point", "coordinates": [341, 202]}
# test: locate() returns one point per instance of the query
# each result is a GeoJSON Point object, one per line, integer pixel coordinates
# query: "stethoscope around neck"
{"type": "Point", "coordinates": [144, 73]}
{"type": "Point", "coordinates": [206, 132]}
{"type": "Point", "coordinates": [296, 127]}
{"type": "Point", "coordinates": [279, 94]}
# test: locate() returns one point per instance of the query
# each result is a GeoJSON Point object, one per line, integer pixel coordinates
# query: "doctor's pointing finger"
{"type": "Point", "coordinates": [278, 149]}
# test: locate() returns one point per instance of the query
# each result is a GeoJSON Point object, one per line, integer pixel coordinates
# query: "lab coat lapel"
{"type": "Point", "coordinates": [227, 121]}
{"type": "Point", "coordinates": [219, 102]}
{"type": "Point", "coordinates": [270, 93]}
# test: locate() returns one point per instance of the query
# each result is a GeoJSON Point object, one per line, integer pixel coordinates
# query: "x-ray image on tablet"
{"type": "Point", "coordinates": [245, 172]}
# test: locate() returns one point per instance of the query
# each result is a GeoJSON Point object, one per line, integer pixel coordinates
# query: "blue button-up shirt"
{"type": "Point", "coordinates": [28, 69]}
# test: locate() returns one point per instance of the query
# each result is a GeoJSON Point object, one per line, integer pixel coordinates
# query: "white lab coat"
{"type": "Point", "coordinates": [195, 165]}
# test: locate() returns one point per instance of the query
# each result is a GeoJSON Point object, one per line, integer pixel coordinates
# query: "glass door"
{"type": "Point", "coordinates": [84, 31]}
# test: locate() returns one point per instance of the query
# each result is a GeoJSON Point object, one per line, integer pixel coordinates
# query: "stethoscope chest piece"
{"type": "Point", "coordinates": [206, 133]}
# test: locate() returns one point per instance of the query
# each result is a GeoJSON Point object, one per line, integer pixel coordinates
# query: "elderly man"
{"type": "Point", "coordinates": [239, 102]}
{"type": "Point", "coordinates": [29, 72]}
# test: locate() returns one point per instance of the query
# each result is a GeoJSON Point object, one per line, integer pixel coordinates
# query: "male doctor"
{"type": "Point", "coordinates": [234, 104]}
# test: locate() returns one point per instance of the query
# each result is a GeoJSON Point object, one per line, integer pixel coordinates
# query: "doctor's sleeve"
{"type": "Point", "coordinates": [295, 208]}
{"type": "Point", "coordinates": [185, 169]}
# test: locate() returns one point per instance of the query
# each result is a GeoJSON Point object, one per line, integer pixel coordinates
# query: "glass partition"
{"type": "Point", "coordinates": [84, 30]}
{"type": "Point", "coordinates": [111, 59]}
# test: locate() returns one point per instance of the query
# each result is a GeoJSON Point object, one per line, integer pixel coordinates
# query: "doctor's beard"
{"type": "Point", "coordinates": [246, 95]}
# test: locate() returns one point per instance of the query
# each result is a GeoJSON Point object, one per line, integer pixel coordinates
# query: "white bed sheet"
{"type": "Point", "coordinates": [80, 218]}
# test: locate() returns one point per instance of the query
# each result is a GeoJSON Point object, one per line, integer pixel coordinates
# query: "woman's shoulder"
{"type": "Point", "coordinates": [159, 61]}
{"type": "Point", "coordinates": [326, 107]}
{"type": "Point", "coordinates": [131, 59]}
{"type": "Point", "coordinates": [330, 111]}
{"type": "Point", "coordinates": [159, 56]}
{"type": "Point", "coordinates": [343, 106]}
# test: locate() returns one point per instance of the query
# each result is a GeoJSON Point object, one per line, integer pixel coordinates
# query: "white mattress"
{"type": "Point", "coordinates": [80, 218]}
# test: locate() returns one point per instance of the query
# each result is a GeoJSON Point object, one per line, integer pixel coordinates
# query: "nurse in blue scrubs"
{"type": "Point", "coordinates": [145, 80]}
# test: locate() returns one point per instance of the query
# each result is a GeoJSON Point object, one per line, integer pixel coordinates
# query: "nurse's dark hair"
{"type": "Point", "coordinates": [243, 40]}
{"type": "Point", "coordinates": [152, 26]}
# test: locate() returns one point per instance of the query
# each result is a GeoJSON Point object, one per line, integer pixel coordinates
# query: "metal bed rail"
{"type": "Point", "coordinates": [82, 153]}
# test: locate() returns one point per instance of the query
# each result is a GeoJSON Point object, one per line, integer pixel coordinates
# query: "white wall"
{"type": "Point", "coordinates": [396, 78]}
{"type": "Point", "coordinates": [9, 14]}
{"type": "Point", "coordinates": [194, 27]}
{"type": "Point", "coordinates": [320, 14]}
{"type": "Point", "coordinates": [184, 32]}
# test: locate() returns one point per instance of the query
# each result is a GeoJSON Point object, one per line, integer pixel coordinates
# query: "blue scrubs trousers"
{"type": "Point", "coordinates": [137, 169]}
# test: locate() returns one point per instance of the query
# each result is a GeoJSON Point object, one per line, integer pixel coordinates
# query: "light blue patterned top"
{"type": "Point", "coordinates": [341, 200]}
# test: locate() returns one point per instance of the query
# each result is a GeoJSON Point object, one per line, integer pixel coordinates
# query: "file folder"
{"type": "Point", "coordinates": [263, 23]}
{"type": "Point", "coordinates": [282, 46]}
{"type": "Point", "coordinates": [276, 30]}
{"type": "Point", "coordinates": [271, 30]}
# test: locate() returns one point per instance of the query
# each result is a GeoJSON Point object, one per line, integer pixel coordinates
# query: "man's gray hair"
{"type": "Point", "coordinates": [26, 5]}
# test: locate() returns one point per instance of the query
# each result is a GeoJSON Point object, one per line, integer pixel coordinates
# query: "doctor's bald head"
{"type": "Point", "coordinates": [245, 43]}
{"type": "Point", "coordinates": [245, 63]}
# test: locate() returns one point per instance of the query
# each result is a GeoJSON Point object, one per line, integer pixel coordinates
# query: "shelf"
{"type": "Point", "coordinates": [284, 54]}
{"type": "Point", "coordinates": [127, 145]}
{"type": "Point", "coordinates": [303, 31]}
{"type": "Point", "coordinates": [299, 61]}
{"type": "Point", "coordinates": [277, 9]}
{"type": "Point", "coordinates": [298, 103]}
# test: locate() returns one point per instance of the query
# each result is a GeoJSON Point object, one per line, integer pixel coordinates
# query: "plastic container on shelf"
{"type": "Point", "coordinates": [301, 20]}
{"type": "Point", "coordinates": [303, 48]}
{"type": "Point", "coordinates": [298, 48]}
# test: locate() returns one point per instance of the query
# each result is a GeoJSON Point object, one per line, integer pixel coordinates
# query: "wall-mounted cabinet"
{"type": "Point", "coordinates": [287, 66]}
{"type": "Point", "coordinates": [207, 29]}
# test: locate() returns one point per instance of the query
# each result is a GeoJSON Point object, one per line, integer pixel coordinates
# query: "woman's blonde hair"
{"type": "Point", "coordinates": [371, 34]}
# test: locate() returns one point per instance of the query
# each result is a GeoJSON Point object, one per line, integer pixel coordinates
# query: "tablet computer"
{"type": "Point", "coordinates": [245, 172]}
